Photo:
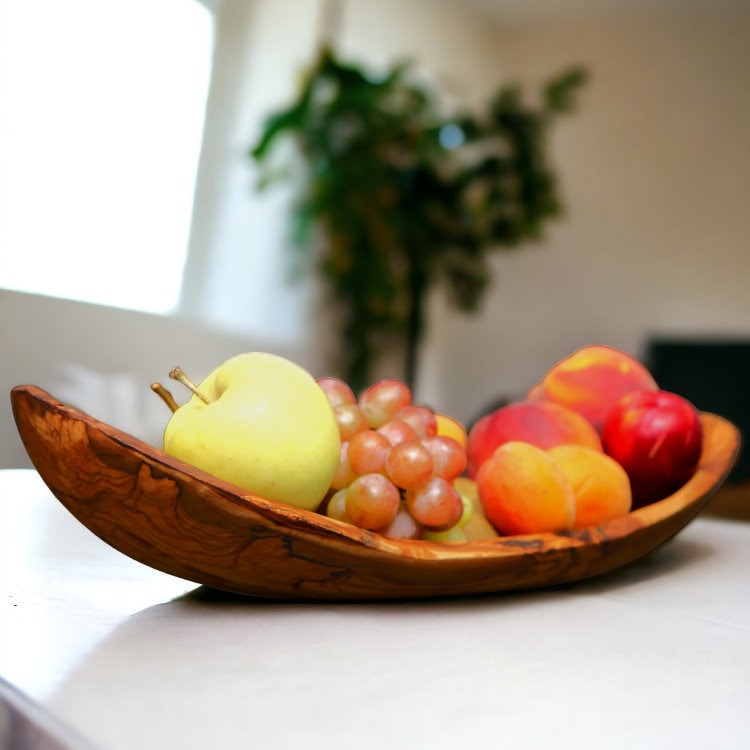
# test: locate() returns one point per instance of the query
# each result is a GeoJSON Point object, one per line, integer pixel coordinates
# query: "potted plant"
{"type": "Point", "coordinates": [404, 195]}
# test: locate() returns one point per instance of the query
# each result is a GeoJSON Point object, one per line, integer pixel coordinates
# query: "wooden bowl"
{"type": "Point", "coordinates": [166, 514]}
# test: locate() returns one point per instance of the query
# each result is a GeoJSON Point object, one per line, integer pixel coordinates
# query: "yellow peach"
{"type": "Point", "coordinates": [600, 485]}
{"type": "Point", "coordinates": [523, 490]}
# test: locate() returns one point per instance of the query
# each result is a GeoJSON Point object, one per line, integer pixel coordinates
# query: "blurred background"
{"type": "Point", "coordinates": [132, 238]}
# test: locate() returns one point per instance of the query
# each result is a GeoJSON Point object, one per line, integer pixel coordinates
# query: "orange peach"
{"type": "Point", "coordinates": [591, 381]}
{"type": "Point", "coordinates": [544, 424]}
{"type": "Point", "coordinates": [523, 490]}
{"type": "Point", "coordinates": [600, 485]}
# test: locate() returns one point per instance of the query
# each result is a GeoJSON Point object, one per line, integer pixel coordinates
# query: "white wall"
{"type": "Point", "coordinates": [235, 276]}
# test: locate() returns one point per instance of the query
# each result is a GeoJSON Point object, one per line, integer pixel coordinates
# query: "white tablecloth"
{"type": "Point", "coordinates": [655, 655]}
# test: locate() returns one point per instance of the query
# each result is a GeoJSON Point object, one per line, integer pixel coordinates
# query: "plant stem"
{"type": "Point", "coordinates": [165, 396]}
{"type": "Point", "coordinates": [415, 323]}
{"type": "Point", "coordinates": [178, 375]}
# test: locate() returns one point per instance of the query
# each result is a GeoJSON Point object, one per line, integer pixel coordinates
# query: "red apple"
{"type": "Point", "coordinates": [656, 436]}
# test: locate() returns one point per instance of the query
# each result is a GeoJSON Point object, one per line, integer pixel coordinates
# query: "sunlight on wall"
{"type": "Point", "coordinates": [103, 107]}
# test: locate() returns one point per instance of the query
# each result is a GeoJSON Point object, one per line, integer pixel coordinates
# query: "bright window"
{"type": "Point", "coordinates": [102, 117]}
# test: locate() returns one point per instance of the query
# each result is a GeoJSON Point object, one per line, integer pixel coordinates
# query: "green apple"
{"type": "Point", "coordinates": [261, 422]}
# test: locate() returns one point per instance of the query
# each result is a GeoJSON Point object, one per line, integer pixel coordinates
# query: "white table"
{"type": "Point", "coordinates": [655, 655]}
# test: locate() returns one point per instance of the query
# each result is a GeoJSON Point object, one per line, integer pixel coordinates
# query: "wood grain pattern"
{"type": "Point", "coordinates": [179, 520]}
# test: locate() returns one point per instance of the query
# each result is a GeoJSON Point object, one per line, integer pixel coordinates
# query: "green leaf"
{"type": "Point", "coordinates": [559, 93]}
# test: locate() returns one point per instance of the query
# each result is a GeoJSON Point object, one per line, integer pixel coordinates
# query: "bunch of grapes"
{"type": "Point", "coordinates": [396, 473]}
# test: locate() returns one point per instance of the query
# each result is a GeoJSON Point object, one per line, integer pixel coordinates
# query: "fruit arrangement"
{"type": "Point", "coordinates": [592, 440]}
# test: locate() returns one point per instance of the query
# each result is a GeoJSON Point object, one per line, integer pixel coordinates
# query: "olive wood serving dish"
{"type": "Point", "coordinates": [184, 522]}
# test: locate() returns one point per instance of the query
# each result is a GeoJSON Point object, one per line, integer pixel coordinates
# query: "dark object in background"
{"type": "Point", "coordinates": [714, 374]}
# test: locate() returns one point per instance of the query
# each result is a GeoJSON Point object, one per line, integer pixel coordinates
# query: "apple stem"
{"type": "Point", "coordinates": [165, 395]}
{"type": "Point", "coordinates": [178, 375]}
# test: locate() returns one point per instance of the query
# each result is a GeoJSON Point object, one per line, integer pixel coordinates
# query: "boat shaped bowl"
{"type": "Point", "coordinates": [177, 519]}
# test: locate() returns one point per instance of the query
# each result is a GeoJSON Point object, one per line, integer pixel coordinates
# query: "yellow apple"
{"type": "Point", "coordinates": [261, 422]}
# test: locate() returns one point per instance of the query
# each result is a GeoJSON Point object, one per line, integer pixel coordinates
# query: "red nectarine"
{"type": "Point", "coordinates": [656, 436]}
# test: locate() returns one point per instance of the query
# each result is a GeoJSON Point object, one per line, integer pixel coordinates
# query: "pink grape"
{"type": "Point", "coordinates": [448, 456]}
{"type": "Point", "coordinates": [372, 501]}
{"type": "Point", "coordinates": [368, 451]}
{"type": "Point", "coordinates": [436, 504]}
{"type": "Point", "coordinates": [337, 391]}
{"type": "Point", "coordinates": [344, 475]}
{"type": "Point", "coordinates": [421, 418]}
{"type": "Point", "coordinates": [398, 432]}
{"type": "Point", "coordinates": [381, 401]}
{"type": "Point", "coordinates": [351, 420]}
{"type": "Point", "coordinates": [409, 465]}
{"type": "Point", "coordinates": [403, 526]}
